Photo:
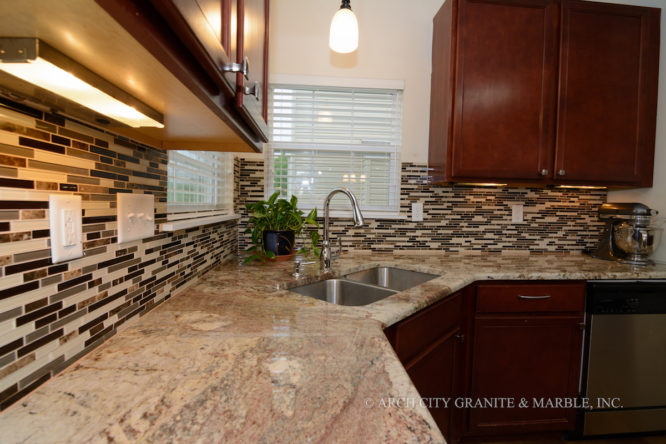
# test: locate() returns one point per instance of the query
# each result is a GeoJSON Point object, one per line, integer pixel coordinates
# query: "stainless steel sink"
{"type": "Point", "coordinates": [364, 287]}
{"type": "Point", "coordinates": [389, 277]}
{"type": "Point", "coordinates": [344, 292]}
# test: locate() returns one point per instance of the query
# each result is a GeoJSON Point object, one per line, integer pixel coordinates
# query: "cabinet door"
{"type": "Point", "coordinates": [435, 375]}
{"type": "Point", "coordinates": [251, 98]}
{"type": "Point", "coordinates": [525, 357]}
{"type": "Point", "coordinates": [505, 90]}
{"type": "Point", "coordinates": [608, 93]}
{"type": "Point", "coordinates": [210, 22]}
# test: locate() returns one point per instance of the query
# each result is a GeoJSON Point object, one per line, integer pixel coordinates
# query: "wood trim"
{"type": "Point", "coordinates": [264, 104]}
{"type": "Point", "coordinates": [442, 91]}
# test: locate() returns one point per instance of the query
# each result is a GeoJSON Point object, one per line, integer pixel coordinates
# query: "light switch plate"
{"type": "Point", "coordinates": [417, 211]}
{"type": "Point", "coordinates": [65, 227]}
{"type": "Point", "coordinates": [136, 216]}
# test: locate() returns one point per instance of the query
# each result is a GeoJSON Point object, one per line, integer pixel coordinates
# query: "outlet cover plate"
{"type": "Point", "coordinates": [65, 227]}
{"type": "Point", "coordinates": [517, 214]}
{"type": "Point", "coordinates": [417, 211]}
{"type": "Point", "coordinates": [136, 216]}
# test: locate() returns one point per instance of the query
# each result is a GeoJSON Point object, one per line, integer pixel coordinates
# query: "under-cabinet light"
{"type": "Point", "coordinates": [482, 184]}
{"type": "Point", "coordinates": [583, 187]}
{"type": "Point", "coordinates": [35, 62]}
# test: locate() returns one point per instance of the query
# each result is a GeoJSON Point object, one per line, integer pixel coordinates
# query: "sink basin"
{"type": "Point", "coordinates": [389, 277]}
{"type": "Point", "coordinates": [344, 292]}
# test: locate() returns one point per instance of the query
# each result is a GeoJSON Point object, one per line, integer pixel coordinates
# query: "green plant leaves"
{"type": "Point", "coordinates": [278, 214]}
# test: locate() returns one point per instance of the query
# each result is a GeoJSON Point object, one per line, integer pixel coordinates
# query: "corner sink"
{"type": "Point", "coordinates": [344, 292]}
{"type": "Point", "coordinates": [389, 277]}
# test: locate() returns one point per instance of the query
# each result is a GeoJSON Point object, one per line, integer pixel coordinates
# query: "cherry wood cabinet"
{"type": "Point", "coordinates": [217, 48]}
{"type": "Point", "coordinates": [608, 94]}
{"type": "Point", "coordinates": [527, 342]}
{"type": "Point", "coordinates": [252, 89]}
{"type": "Point", "coordinates": [431, 346]}
{"type": "Point", "coordinates": [505, 89]}
{"type": "Point", "coordinates": [543, 92]}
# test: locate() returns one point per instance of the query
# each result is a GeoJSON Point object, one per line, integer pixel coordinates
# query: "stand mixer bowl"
{"type": "Point", "coordinates": [638, 242]}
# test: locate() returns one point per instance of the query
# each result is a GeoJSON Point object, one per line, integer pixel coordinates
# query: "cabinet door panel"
{"type": "Point", "coordinates": [253, 46]}
{"type": "Point", "coordinates": [608, 93]}
{"type": "Point", "coordinates": [434, 376]}
{"type": "Point", "coordinates": [422, 329]}
{"type": "Point", "coordinates": [505, 91]}
{"type": "Point", "coordinates": [529, 357]}
{"type": "Point", "coordinates": [209, 21]}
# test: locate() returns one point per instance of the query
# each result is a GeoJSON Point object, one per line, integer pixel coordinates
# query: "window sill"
{"type": "Point", "coordinates": [196, 222]}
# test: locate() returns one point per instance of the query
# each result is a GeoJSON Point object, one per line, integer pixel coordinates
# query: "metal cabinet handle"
{"type": "Point", "coordinates": [252, 90]}
{"type": "Point", "coordinates": [561, 173]}
{"type": "Point", "coordinates": [547, 296]}
{"type": "Point", "coordinates": [543, 172]}
{"type": "Point", "coordinates": [460, 336]}
{"type": "Point", "coordinates": [243, 67]}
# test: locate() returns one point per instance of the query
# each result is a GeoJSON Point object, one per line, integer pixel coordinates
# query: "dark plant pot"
{"type": "Point", "coordinates": [279, 243]}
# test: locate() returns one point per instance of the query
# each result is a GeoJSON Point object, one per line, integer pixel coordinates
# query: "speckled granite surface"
{"type": "Point", "coordinates": [238, 358]}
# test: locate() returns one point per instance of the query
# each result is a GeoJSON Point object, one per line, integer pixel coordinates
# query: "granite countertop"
{"type": "Point", "coordinates": [237, 357]}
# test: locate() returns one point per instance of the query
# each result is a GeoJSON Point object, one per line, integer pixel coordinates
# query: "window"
{"type": "Point", "coordinates": [326, 137]}
{"type": "Point", "coordinates": [199, 181]}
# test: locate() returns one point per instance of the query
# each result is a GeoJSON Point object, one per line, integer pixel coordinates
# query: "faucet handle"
{"type": "Point", "coordinates": [339, 252]}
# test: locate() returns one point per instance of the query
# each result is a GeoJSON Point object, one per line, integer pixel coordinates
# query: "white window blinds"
{"type": "Point", "coordinates": [200, 181]}
{"type": "Point", "coordinates": [327, 137]}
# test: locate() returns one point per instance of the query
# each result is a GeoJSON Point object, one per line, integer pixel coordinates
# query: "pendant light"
{"type": "Point", "coordinates": [343, 37]}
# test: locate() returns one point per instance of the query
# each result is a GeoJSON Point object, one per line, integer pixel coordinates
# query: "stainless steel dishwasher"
{"type": "Point", "coordinates": [625, 380]}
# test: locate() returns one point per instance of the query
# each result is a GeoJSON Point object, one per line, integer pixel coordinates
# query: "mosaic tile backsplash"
{"type": "Point", "coordinates": [52, 314]}
{"type": "Point", "coordinates": [462, 218]}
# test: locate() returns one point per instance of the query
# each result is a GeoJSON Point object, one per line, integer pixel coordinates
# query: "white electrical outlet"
{"type": "Point", "coordinates": [417, 211]}
{"type": "Point", "coordinates": [136, 214]}
{"type": "Point", "coordinates": [65, 225]}
{"type": "Point", "coordinates": [517, 213]}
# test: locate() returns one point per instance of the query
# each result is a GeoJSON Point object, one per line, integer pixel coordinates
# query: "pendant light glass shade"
{"type": "Point", "coordinates": [343, 37]}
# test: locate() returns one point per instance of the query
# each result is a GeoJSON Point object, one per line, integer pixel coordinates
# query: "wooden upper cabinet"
{"type": "Point", "coordinates": [210, 22]}
{"type": "Point", "coordinates": [608, 93]}
{"type": "Point", "coordinates": [204, 44]}
{"type": "Point", "coordinates": [505, 89]}
{"type": "Point", "coordinates": [252, 89]}
{"type": "Point", "coordinates": [543, 92]}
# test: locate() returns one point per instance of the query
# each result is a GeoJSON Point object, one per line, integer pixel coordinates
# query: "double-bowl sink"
{"type": "Point", "coordinates": [364, 287]}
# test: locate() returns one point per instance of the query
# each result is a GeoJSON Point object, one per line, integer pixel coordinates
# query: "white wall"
{"type": "Point", "coordinates": [395, 42]}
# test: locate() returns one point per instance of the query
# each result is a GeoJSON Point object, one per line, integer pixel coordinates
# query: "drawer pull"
{"type": "Point", "coordinates": [547, 296]}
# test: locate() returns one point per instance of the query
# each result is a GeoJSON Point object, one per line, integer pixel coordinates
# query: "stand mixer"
{"type": "Point", "coordinates": [629, 235]}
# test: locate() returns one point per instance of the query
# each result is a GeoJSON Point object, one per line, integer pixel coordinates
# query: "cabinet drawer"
{"type": "Point", "coordinates": [417, 332]}
{"type": "Point", "coordinates": [530, 297]}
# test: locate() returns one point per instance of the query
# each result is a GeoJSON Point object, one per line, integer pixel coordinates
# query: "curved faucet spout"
{"type": "Point", "coordinates": [356, 209]}
{"type": "Point", "coordinates": [358, 222]}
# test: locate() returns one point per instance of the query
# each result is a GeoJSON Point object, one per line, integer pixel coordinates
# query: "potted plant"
{"type": "Point", "coordinates": [275, 225]}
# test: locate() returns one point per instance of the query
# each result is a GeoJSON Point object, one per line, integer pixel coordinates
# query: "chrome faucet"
{"type": "Point", "coordinates": [325, 258]}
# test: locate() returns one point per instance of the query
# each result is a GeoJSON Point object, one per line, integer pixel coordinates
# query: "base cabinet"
{"type": "Point", "coordinates": [531, 358]}
{"type": "Point", "coordinates": [514, 340]}
{"type": "Point", "coordinates": [430, 346]}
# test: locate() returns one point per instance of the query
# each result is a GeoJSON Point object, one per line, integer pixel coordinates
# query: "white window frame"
{"type": "Point", "coordinates": [337, 82]}
{"type": "Point", "coordinates": [216, 179]}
